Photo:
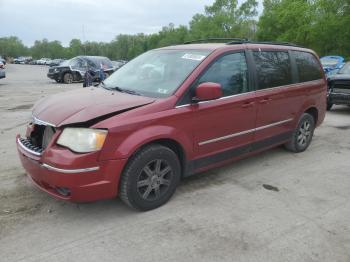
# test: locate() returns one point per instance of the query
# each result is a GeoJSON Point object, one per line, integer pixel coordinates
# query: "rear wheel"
{"type": "Point", "coordinates": [68, 78]}
{"type": "Point", "coordinates": [150, 178]}
{"type": "Point", "coordinates": [302, 135]}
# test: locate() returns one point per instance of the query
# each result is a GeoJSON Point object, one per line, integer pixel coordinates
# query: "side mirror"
{"type": "Point", "coordinates": [208, 91]}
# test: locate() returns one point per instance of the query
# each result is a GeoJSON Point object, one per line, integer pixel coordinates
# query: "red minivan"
{"type": "Point", "coordinates": [170, 113]}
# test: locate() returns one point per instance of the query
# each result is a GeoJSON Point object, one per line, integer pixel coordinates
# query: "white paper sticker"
{"type": "Point", "coordinates": [193, 57]}
{"type": "Point", "coordinates": [162, 91]}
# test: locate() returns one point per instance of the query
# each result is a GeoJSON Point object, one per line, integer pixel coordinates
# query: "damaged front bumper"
{"type": "Point", "coordinates": [70, 176]}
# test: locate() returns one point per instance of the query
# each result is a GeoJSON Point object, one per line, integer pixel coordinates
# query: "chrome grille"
{"type": "Point", "coordinates": [26, 143]}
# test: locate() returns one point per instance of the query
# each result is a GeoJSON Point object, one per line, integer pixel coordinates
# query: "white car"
{"type": "Point", "coordinates": [2, 70]}
{"type": "Point", "coordinates": [43, 61]}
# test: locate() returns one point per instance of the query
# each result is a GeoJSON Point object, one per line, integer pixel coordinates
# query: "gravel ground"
{"type": "Point", "coordinates": [225, 214]}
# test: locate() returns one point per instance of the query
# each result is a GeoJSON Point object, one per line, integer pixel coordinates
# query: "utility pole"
{"type": "Point", "coordinates": [84, 40]}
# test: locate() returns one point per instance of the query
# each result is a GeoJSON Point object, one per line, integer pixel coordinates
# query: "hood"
{"type": "Point", "coordinates": [86, 104]}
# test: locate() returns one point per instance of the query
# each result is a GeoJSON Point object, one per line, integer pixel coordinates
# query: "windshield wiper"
{"type": "Point", "coordinates": [122, 90]}
{"type": "Point", "coordinates": [128, 91]}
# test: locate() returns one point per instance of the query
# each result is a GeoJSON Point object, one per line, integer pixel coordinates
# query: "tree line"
{"type": "Point", "coordinates": [322, 25]}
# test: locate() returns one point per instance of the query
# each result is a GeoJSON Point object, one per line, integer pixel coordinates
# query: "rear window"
{"type": "Point", "coordinates": [308, 67]}
{"type": "Point", "coordinates": [273, 69]}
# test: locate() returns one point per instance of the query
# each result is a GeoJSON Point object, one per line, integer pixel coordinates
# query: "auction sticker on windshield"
{"type": "Point", "coordinates": [193, 57]}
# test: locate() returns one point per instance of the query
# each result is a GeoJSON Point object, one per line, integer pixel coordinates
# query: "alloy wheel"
{"type": "Point", "coordinates": [154, 180]}
{"type": "Point", "coordinates": [304, 133]}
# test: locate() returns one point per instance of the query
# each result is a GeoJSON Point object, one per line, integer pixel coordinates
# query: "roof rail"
{"type": "Point", "coordinates": [277, 43]}
{"type": "Point", "coordinates": [266, 43]}
{"type": "Point", "coordinates": [237, 41]}
{"type": "Point", "coordinates": [227, 40]}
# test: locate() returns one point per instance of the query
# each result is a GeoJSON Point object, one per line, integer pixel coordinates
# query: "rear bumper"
{"type": "Point", "coordinates": [91, 182]}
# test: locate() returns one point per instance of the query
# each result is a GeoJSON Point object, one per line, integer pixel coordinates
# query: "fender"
{"type": "Point", "coordinates": [128, 145]}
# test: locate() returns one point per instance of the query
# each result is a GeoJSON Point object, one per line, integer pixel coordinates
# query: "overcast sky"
{"type": "Point", "coordinates": [92, 20]}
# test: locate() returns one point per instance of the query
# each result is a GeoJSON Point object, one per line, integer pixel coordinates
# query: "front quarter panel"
{"type": "Point", "coordinates": [126, 136]}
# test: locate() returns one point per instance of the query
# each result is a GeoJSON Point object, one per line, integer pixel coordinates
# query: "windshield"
{"type": "Point", "coordinates": [345, 69]}
{"type": "Point", "coordinates": [156, 73]}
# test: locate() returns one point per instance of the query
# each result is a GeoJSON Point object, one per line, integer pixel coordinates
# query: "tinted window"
{"type": "Point", "coordinates": [273, 69]}
{"type": "Point", "coordinates": [308, 67]}
{"type": "Point", "coordinates": [231, 72]}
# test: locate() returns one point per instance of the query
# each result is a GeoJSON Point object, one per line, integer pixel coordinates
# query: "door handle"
{"type": "Point", "coordinates": [248, 104]}
{"type": "Point", "coordinates": [265, 100]}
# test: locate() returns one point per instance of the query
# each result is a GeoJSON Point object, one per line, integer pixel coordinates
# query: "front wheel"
{"type": "Point", "coordinates": [302, 135]}
{"type": "Point", "coordinates": [150, 178]}
{"type": "Point", "coordinates": [68, 78]}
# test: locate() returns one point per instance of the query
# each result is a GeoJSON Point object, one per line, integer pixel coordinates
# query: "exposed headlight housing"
{"type": "Point", "coordinates": [82, 140]}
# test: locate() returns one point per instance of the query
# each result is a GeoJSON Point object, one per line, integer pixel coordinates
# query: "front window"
{"type": "Point", "coordinates": [156, 73]}
{"type": "Point", "coordinates": [345, 69]}
{"type": "Point", "coordinates": [231, 72]}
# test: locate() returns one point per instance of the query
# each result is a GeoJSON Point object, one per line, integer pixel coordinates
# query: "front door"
{"type": "Point", "coordinates": [224, 128]}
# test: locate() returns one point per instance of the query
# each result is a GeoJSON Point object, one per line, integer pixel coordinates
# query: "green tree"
{"type": "Point", "coordinates": [12, 47]}
{"type": "Point", "coordinates": [226, 18]}
{"type": "Point", "coordinates": [322, 25]}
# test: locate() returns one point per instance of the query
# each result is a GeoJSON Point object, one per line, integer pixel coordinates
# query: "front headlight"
{"type": "Point", "coordinates": [82, 140]}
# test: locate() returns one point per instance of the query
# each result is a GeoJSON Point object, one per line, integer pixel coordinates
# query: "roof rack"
{"type": "Point", "coordinates": [274, 43]}
{"type": "Point", "coordinates": [231, 40]}
{"type": "Point", "coordinates": [237, 41]}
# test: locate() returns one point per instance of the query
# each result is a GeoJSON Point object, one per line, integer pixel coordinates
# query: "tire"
{"type": "Point", "coordinates": [150, 178]}
{"type": "Point", "coordinates": [302, 135]}
{"type": "Point", "coordinates": [68, 78]}
{"type": "Point", "coordinates": [329, 106]}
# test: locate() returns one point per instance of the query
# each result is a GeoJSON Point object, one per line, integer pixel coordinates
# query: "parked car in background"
{"type": "Point", "coordinates": [19, 60]}
{"type": "Point", "coordinates": [331, 64]}
{"type": "Point", "coordinates": [2, 70]}
{"type": "Point", "coordinates": [73, 70]}
{"type": "Point", "coordinates": [339, 87]}
{"type": "Point", "coordinates": [2, 60]}
{"type": "Point", "coordinates": [43, 61]}
{"type": "Point", "coordinates": [171, 113]}
{"type": "Point", "coordinates": [22, 60]}
{"type": "Point", "coordinates": [55, 62]}
{"type": "Point", "coordinates": [118, 64]}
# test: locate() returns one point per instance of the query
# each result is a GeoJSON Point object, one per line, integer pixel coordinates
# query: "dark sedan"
{"type": "Point", "coordinates": [339, 87]}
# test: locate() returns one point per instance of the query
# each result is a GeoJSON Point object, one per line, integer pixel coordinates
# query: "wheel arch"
{"type": "Point", "coordinates": [124, 147]}
{"type": "Point", "coordinates": [171, 144]}
{"type": "Point", "coordinates": [313, 112]}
